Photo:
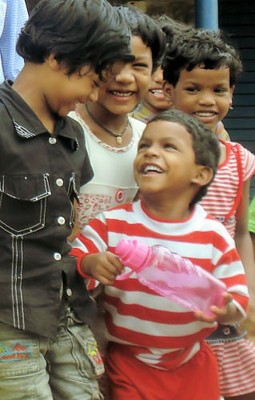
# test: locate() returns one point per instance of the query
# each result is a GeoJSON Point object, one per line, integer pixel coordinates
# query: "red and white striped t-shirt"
{"type": "Point", "coordinates": [159, 332]}
{"type": "Point", "coordinates": [222, 193]}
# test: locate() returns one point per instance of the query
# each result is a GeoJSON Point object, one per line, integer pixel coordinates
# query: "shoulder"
{"type": "Point", "coordinates": [209, 223]}
{"type": "Point", "coordinates": [246, 159]}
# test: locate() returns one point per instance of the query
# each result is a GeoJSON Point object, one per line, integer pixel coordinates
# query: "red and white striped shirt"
{"type": "Point", "coordinates": [221, 196]}
{"type": "Point", "coordinates": [159, 332]}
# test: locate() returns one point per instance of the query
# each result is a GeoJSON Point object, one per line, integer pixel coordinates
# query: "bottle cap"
{"type": "Point", "coordinates": [132, 253]}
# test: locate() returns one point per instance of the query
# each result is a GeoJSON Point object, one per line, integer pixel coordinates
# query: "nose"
{"type": "Point", "coordinates": [206, 98]}
{"type": "Point", "coordinates": [125, 74]}
{"type": "Point", "coordinates": [151, 151]}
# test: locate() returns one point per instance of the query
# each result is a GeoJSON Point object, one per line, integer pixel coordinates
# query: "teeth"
{"type": "Point", "coordinates": [205, 114]}
{"type": "Point", "coordinates": [157, 91]}
{"type": "Point", "coordinates": [150, 168]}
{"type": "Point", "coordinates": [121, 94]}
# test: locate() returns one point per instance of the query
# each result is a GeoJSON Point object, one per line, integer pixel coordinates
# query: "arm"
{"type": "Point", "coordinates": [90, 248]}
{"type": "Point", "coordinates": [245, 248]}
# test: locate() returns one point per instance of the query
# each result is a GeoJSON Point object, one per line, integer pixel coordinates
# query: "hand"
{"type": "Point", "coordinates": [223, 315]}
{"type": "Point", "coordinates": [104, 267]}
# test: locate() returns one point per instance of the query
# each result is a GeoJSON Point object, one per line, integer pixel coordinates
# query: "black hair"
{"type": "Point", "coordinates": [171, 27]}
{"type": "Point", "coordinates": [204, 48]}
{"type": "Point", "coordinates": [147, 29]}
{"type": "Point", "coordinates": [204, 142]}
{"type": "Point", "coordinates": [77, 32]}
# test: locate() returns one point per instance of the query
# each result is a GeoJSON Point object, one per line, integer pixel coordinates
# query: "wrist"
{"type": "Point", "coordinates": [83, 269]}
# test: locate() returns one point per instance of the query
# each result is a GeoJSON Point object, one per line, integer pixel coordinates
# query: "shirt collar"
{"type": "Point", "coordinates": [26, 122]}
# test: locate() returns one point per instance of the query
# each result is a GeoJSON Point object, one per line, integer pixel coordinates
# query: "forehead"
{"type": "Point", "coordinates": [206, 76]}
{"type": "Point", "coordinates": [139, 48]}
{"type": "Point", "coordinates": [158, 130]}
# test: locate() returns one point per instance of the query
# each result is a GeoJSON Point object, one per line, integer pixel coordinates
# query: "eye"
{"type": "Point", "coordinates": [142, 146]}
{"type": "Point", "coordinates": [140, 65]}
{"type": "Point", "coordinates": [191, 89]}
{"type": "Point", "coordinates": [170, 146]}
{"type": "Point", "coordinates": [220, 90]}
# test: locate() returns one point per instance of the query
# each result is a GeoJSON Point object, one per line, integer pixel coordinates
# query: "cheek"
{"type": "Point", "coordinates": [184, 103]}
{"type": "Point", "coordinates": [224, 106]}
{"type": "Point", "coordinates": [143, 83]}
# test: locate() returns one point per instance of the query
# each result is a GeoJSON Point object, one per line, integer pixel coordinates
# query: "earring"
{"type": "Point", "coordinates": [231, 105]}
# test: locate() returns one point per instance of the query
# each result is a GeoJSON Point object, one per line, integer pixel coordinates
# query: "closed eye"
{"type": "Point", "coordinates": [170, 146]}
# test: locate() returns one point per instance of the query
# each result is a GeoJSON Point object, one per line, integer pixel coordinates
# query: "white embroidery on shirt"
{"type": "Point", "coordinates": [23, 132]}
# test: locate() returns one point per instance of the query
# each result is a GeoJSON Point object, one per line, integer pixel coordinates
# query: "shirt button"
{"type": "Point", "coordinates": [59, 182]}
{"type": "Point", "coordinates": [69, 292]}
{"type": "Point", "coordinates": [57, 256]}
{"type": "Point", "coordinates": [226, 331]}
{"type": "Point", "coordinates": [61, 220]}
{"type": "Point", "coordinates": [52, 140]}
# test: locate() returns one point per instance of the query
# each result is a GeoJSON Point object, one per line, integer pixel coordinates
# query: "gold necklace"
{"type": "Point", "coordinates": [117, 136]}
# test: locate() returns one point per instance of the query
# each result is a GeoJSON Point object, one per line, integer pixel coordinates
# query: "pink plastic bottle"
{"type": "Point", "coordinates": [171, 276]}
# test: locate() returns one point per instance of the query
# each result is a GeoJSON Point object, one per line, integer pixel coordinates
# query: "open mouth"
{"type": "Point", "coordinates": [121, 94]}
{"type": "Point", "coordinates": [149, 169]}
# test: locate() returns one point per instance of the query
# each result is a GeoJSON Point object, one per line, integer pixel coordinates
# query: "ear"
{"type": "Point", "coordinates": [168, 89]}
{"type": "Point", "coordinates": [203, 175]}
{"type": "Point", "coordinates": [52, 63]}
{"type": "Point", "coordinates": [231, 96]}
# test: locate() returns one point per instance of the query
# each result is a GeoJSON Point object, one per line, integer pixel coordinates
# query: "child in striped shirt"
{"type": "Point", "coordinates": [156, 348]}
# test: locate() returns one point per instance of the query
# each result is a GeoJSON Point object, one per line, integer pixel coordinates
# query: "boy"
{"type": "Point", "coordinates": [156, 347]}
{"type": "Point", "coordinates": [155, 100]}
{"type": "Point", "coordinates": [201, 73]}
{"type": "Point", "coordinates": [68, 47]}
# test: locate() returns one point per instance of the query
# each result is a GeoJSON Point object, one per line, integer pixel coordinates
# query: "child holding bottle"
{"type": "Point", "coordinates": [153, 339]}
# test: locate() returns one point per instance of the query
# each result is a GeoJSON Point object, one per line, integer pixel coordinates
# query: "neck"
{"type": "Point", "coordinates": [105, 116]}
{"type": "Point", "coordinates": [166, 210]}
{"type": "Point", "coordinates": [116, 133]}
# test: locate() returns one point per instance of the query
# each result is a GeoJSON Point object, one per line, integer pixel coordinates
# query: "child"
{"type": "Point", "coordinates": [112, 136]}
{"type": "Point", "coordinates": [155, 100]}
{"type": "Point", "coordinates": [47, 349]}
{"type": "Point", "coordinates": [201, 73]}
{"type": "Point", "coordinates": [156, 348]}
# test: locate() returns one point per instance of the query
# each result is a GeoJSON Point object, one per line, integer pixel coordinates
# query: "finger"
{"type": "Point", "coordinates": [200, 316]}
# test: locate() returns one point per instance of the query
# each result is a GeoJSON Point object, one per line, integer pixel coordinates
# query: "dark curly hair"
{"type": "Point", "coordinates": [200, 48]}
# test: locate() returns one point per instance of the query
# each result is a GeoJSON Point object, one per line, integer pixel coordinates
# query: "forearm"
{"type": "Point", "coordinates": [245, 250]}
